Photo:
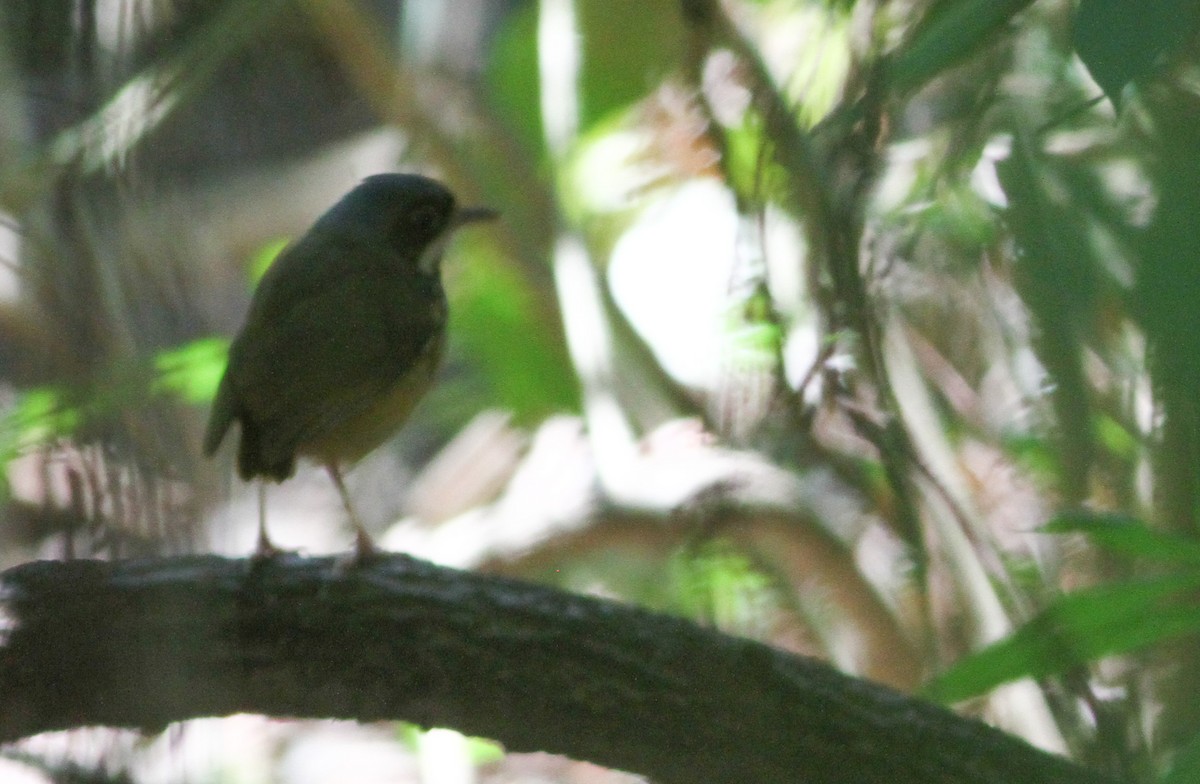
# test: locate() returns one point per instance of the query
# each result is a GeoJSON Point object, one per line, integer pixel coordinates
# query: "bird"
{"type": "Point", "coordinates": [343, 337]}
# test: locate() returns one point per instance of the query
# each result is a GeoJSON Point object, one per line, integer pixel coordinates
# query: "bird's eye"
{"type": "Point", "coordinates": [425, 220]}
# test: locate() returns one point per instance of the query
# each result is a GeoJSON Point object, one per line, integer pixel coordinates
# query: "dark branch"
{"type": "Point", "coordinates": [141, 644]}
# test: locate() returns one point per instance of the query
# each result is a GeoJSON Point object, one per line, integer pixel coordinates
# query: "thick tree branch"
{"type": "Point", "coordinates": [141, 644]}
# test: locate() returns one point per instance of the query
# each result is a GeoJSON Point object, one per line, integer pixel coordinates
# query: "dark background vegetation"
{"type": "Point", "coordinates": [866, 329]}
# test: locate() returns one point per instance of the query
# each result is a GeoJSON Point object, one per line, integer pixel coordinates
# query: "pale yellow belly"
{"type": "Point", "coordinates": [354, 437]}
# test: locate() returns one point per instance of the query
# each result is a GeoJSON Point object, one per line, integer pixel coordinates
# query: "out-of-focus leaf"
{"type": "Point", "coordinates": [821, 59]}
{"type": "Point", "coordinates": [1055, 274]}
{"type": "Point", "coordinates": [192, 371]}
{"type": "Point", "coordinates": [1034, 454]}
{"type": "Point", "coordinates": [1076, 629]}
{"type": "Point", "coordinates": [1167, 264]}
{"type": "Point", "coordinates": [1120, 41]}
{"type": "Point", "coordinates": [951, 32]}
{"type": "Point", "coordinates": [265, 257]}
{"type": "Point", "coordinates": [40, 415]}
{"type": "Point", "coordinates": [512, 75]}
{"type": "Point", "coordinates": [718, 583]}
{"type": "Point", "coordinates": [959, 218]}
{"type": "Point", "coordinates": [1057, 278]}
{"type": "Point", "coordinates": [608, 168]}
{"type": "Point", "coordinates": [1127, 536]}
{"type": "Point", "coordinates": [492, 320]}
{"type": "Point", "coordinates": [752, 169]}
{"type": "Point", "coordinates": [628, 46]}
{"type": "Point", "coordinates": [1115, 437]}
{"type": "Point", "coordinates": [752, 331]}
{"type": "Point", "coordinates": [484, 751]}
{"type": "Point", "coordinates": [481, 750]}
{"type": "Point", "coordinates": [1185, 768]}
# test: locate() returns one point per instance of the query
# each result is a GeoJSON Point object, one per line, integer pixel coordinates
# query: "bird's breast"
{"type": "Point", "coordinates": [362, 432]}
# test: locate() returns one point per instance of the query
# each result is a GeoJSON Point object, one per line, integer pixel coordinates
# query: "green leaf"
{"type": "Point", "coordinates": [1127, 535]}
{"type": "Point", "coordinates": [1185, 768]}
{"type": "Point", "coordinates": [192, 371]}
{"type": "Point", "coordinates": [512, 76]}
{"type": "Point", "coordinates": [953, 31]}
{"type": "Point", "coordinates": [1121, 41]}
{"type": "Point", "coordinates": [39, 416]}
{"type": "Point", "coordinates": [752, 333]}
{"type": "Point", "coordinates": [1115, 437]}
{"type": "Point", "coordinates": [628, 46]}
{"type": "Point", "coordinates": [265, 256]}
{"type": "Point", "coordinates": [961, 219]}
{"type": "Point", "coordinates": [1077, 629]}
{"type": "Point", "coordinates": [751, 169]}
{"type": "Point", "coordinates": [1035, 454]}
{"type": "Point", "coordinates": [716, 582]}
{"type": "Point", "coordinates": [1057, 277]}
{"type": "Point", "coordinates": [493, 321]}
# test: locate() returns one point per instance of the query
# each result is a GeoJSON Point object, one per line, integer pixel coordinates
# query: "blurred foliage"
{"type": "Point", "coordinates": [1078, 628]}
{"type": "Point", "coordinates": [946, 293]}
{"type": "Point", "coordinates": [1121, 42]}
{"type": "Point", "coordinates": [40, 416]}
{"type": "Point", "coordinates": [627, 46]}
{"type": "Point", "coordinates": [480, 751]}
{"type": "Point", "coordinates": [949, 32]}
{"type": "Point", "coordinates": [1119, 617]}
{"type": "Point", "coordinates": [1122, 617]}
{"type": "Point", "coordinates": [718, 583]}
{"type": "Point", "coordinates": [48, 415]}
{"type": "Point", "coordinates": [512, 75]}
{"type": "Point", "coordinates": [264, 258]}
{"type": "Point", "coordinates": [1185, 767]}
{"type": "Point", "coordinates": [493, 323]}
{"type": "Point", "coordinates": [193, 371]}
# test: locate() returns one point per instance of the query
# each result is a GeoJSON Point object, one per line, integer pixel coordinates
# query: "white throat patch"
{"type": "Point", "coordinates": [432, 255]}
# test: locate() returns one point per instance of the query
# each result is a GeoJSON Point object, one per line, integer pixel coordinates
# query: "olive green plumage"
{"type": "Point", "coordinates": [344, 333]}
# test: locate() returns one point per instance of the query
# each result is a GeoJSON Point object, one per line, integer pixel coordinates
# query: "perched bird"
{"type": "Point", "coordinates": [343, 337]}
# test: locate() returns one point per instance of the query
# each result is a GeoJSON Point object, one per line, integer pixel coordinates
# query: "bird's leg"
{"type": "Point", "coordinates": [364, 548]}
{"type": "Point", "coordinates": [264, 548]}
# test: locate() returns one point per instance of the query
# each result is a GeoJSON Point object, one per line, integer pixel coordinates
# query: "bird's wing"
{"type": "Point", "coordinates": [312, 356]}
{"type": "Point", "coordinates": [220, 418]}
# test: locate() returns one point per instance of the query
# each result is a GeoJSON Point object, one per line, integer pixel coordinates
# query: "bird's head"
{"type": "Point", "coordinates": [416, 215]}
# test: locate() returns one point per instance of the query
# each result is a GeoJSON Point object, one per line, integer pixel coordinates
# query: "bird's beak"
{"type": "Point", "coordinates": [474, 214]}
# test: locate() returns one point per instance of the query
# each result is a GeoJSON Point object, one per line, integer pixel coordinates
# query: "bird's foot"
{"type": "Point", "coordinates": [364, 545]}
{"type": "Point", "coordinates": [365, 551]}
{"type": "Point", "coordinates": [266, 550]}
